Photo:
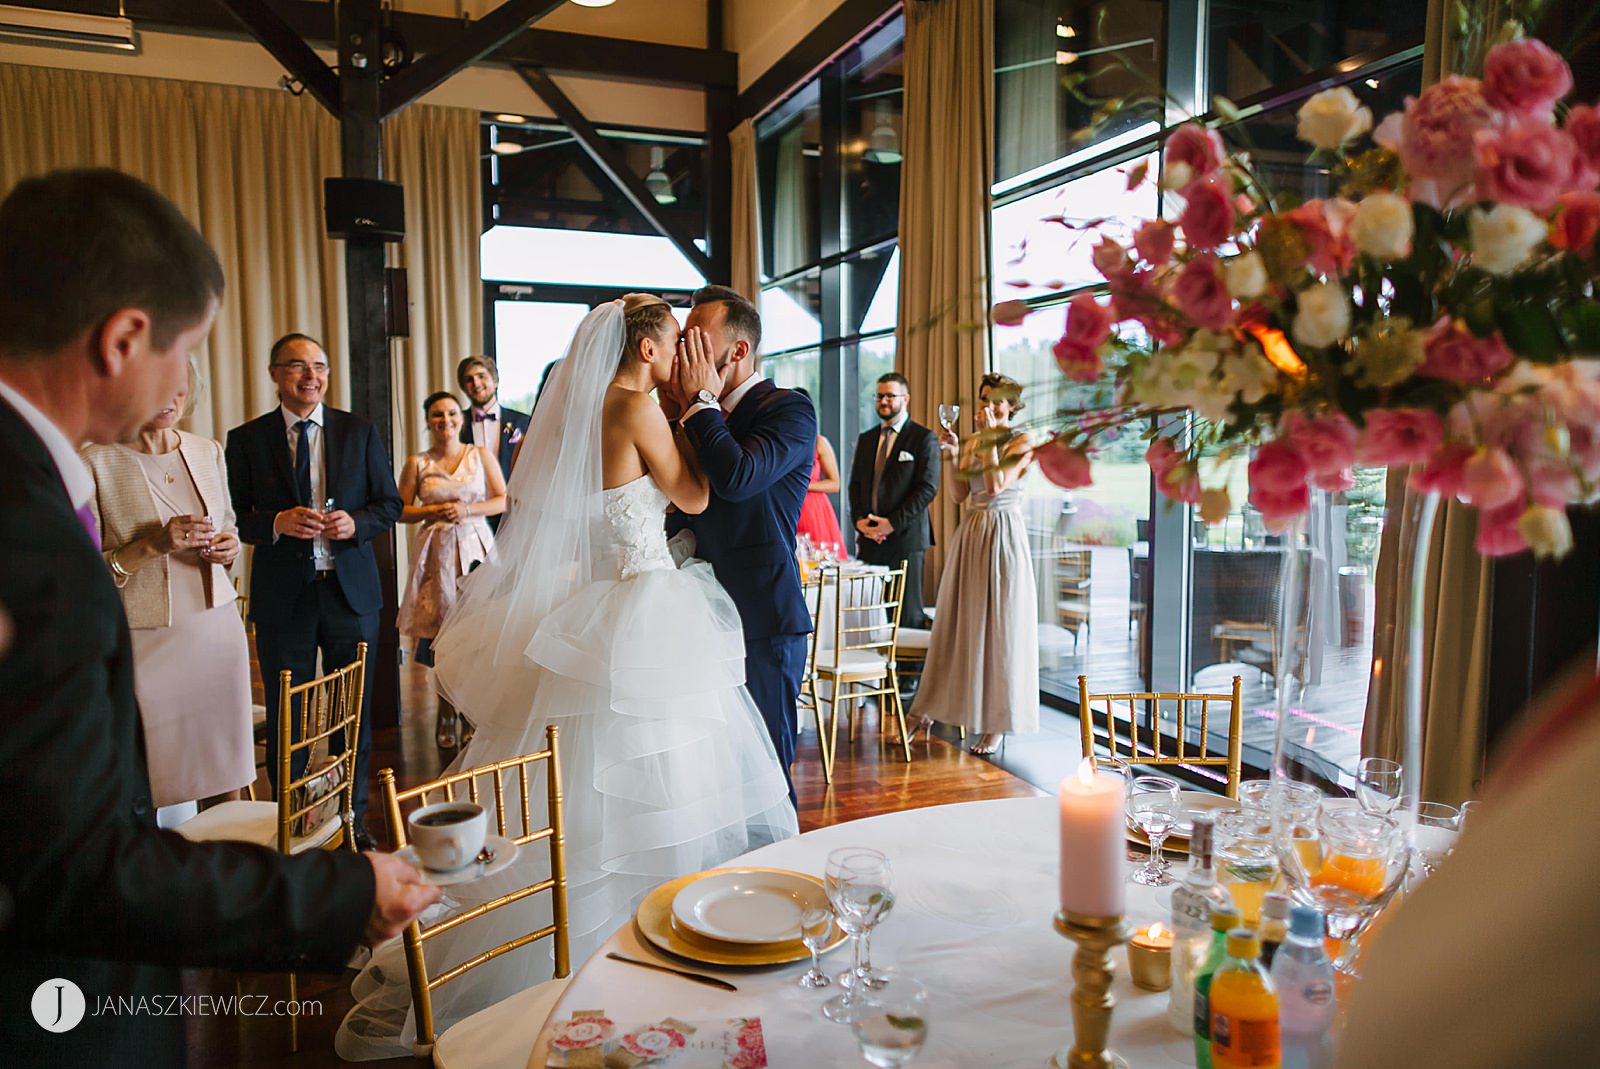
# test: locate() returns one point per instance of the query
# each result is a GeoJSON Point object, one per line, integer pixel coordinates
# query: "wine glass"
{"type": "Point", "coordinates": [1435, 834]}
{"type": "Point", "coordinates": [1364, 860]}
{"type": "Point", "coordinates": [893, 1023]}
{"type": "Point", "coordinates": [1379, 782]}
{"type": "Point", "coordinates": [1153, 805]}
{"type": "Point", "coordinates": [858, 882]}
{"type": "Point", "coordinates": [816, 925]}
{"type": "Point", "coordinates": [1472, 810]}
{"type": "Point", "coordinates": [948, 415]}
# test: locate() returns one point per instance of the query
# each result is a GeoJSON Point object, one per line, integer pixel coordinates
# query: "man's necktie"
{"type": "Point", "coordinates": [885, 441]}
{"type": "Point", "coordinates": [302, 462]}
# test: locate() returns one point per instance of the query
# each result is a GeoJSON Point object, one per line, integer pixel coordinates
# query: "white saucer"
{"type": "Point", "coordinates": [505, 852]}
{"type": "Point", "coordinates": [746, 905]}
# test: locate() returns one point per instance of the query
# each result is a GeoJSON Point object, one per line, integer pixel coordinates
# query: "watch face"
{"type": "Point", "coordinates": [706, 397]}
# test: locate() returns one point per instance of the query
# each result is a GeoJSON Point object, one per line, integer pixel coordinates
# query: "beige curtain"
{"type": "Point", "coordinates": [1456, 593]}
{"type": "Point", "coordinates": [944, 218]}
{"type": "Point", "coordinates": [246, 165]}
{"type": "Point", "coordinates": [746, 208]}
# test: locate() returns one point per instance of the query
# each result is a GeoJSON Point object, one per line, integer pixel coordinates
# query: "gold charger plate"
{"type": "Point", "coordinates": [654, 921]}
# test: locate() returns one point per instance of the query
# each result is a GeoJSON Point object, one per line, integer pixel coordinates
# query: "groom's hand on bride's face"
{"type": "Point", "coordinates": [697, 366]}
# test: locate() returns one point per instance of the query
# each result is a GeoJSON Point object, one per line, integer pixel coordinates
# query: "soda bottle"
{"type": "Point", "coordinates": [1223, 917]}
{"type": "Point", "coordinates": [1244, 1008]}
{"type": "Point", "coordinates": [1274, 925]}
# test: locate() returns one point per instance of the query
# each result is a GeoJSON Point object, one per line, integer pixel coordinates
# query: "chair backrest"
{"type": "Point", "coordinates": [865, 613]}
{"type": "Point", "coordinates": [487, 785]}
{"type": "Point", "coordinates": [324, 709]}
{"type": "Point", "coordinates": [1160, 729]}
{"type": "Point", "coordinates": [1073, 569]}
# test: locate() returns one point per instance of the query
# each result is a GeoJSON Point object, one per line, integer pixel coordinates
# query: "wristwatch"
{"type": "Point", "coordinates": [706, 397]}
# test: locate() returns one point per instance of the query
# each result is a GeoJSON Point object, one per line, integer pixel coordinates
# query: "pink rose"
{"type": "Point", "coordinates": [1490, 479]}
{"type": "Point", "coordinates": [1201, 294]}
{"type": "Point", "coordinates": [1278, 508]}
{"type": "Point", "coordinates": [1078, 350]}
{"type": "Point", "coordinates": [1583, 126]}
{"type": "Point", "coordinates": [1498, 533]}
{"type": "Point", "coordinates": [1452, 352]}
{"type": "Point", "coordinates": [1576, 223]}
{"type": "Point", "coordinates": [1325, 444]}
{"type": "Point", "coordinates": [1442, 473]}
{"type": "Point", "coordinates": [1133, 296]}
{"type": "Point", "coordinates": [1324, 227]}
{"type": "Point", "coordinates": [1529, 165]}
{"type": "Point", "coordinates": [1436, 133]}
{"type": "Point", "coordinates": [1198, 148]}
{"type": "Point", "coordinates": [1111, 259]}
{"type": "Point", "coordinates": [1175, 476]}
{"type": "Point", "coordinates": [1207, 216]}
{"type": "Point", "coordinates": [1154, 241]}
{"type": "Point", "coordinates": [1077, 360]}
{"type": "Point", "coordinates": [1277, 470]}
{"type": "Point", "coordinates": [1009, 313]}
{"type": "Point", "coordinates": [1398, 436]}
{"type": "Point", "coordinates": [1068, 468]}
{"type": "Point", "coordinates": [1525, 77]}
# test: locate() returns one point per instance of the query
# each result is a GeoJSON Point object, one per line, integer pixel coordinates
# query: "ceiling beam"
{"type": "Point", "coordinates": [480, 38]}
{"type": "Point", "coordinates": [617, 171]}
{"type": "Point", "coordinates": [289, 49]}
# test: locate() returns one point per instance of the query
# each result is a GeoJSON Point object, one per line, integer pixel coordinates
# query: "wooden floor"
{"type": "Point", "coordinates": [871, 778]}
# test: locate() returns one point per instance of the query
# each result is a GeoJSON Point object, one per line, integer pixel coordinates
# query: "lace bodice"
{"type": "Point", "coordinates": [635, 535]}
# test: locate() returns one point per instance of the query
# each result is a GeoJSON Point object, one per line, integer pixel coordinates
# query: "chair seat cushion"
{"type": "Point", "coordinates": [502, 1036]}
{"type": "Point", "coordinates": [250, 822]}
{"type": "Point", "coordinates": [912, 638]}
{"type": "Point", "coordinates": [854, 666]}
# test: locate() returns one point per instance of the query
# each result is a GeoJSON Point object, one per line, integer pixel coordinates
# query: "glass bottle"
{"type": "Point", "coordinates": [1192, 902]}
{"type": "Point", "coordinates": [1274, 925]}
{"type": "Point", "coordinates": [1307, 1003]}
{"type": "Point", "coordinates": [1244, 1008]}
{"type": "Point", "coordinates": [1223, 919]}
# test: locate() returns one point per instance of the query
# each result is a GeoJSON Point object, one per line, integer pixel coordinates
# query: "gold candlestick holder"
{"type": "Point", "coordinates": [1092, 1000]}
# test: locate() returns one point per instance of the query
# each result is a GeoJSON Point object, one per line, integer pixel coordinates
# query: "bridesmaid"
{"type": "Point", "coordinates": [458, 486]}
{"type": "Point", "coordinates": [817, 518]}
{"type": "Point", "coordinates": [982, 672]}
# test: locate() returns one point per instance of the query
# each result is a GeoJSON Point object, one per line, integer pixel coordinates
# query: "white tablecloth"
{"type": "Point", "coordinates": [976, 891]}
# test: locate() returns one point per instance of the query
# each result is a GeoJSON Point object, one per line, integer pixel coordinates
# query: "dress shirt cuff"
{"type": "Point", "coordinates": [698, 406]}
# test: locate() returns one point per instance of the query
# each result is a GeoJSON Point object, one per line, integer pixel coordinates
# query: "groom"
{"type": "Point", "coordinates": [756, 443]}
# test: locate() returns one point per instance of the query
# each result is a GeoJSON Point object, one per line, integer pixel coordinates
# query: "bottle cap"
{"type": "Point", "coordinates": [1224, 917]}
{"type": "Point", "coordinates": [1242, 943]}
{"type": "Point", "coordinates": [1200, 837]}
{"type": "Point", "coordinates": [1275, 904]}
{"type": "Point", "coordinates": [1305, 922]}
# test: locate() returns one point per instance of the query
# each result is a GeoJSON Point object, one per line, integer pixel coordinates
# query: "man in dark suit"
{"type": "Point", "coordinates": [893, 480]}
{"type": "Point", "coordinates": [104, 290]}
{"type": "Point", "coordinates": [312, 487]}
{"type": "Point", "coordinates": [489, 423]}
{"type": "Point", "coordinates": [755, 443]}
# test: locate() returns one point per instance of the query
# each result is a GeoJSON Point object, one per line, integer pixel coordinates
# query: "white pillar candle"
{"type": "Point", "coordinates": [1092, 843]}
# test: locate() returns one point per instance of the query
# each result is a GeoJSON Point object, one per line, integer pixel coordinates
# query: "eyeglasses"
{"type": "Point", "coordinates": [891, 396]}
{"type": "Point", "coordinates": [300, 367]}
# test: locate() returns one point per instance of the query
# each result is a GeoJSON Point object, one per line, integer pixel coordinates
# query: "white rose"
{"type": "Point", "coordinates": [1175, 176]}
{"type": "Point", "coordinates": [1245, 276]}
{"type": "Point", "coordinates": [1504, 237]}
{"type": "Point", "coordinates": [1382, 227]}
{"type": "Point", "coordinates": [1547, 531]}
{"type": "Point", "coordinates": [1333, 117]}
{"type": "Point", "coordinates": [1324, 315]}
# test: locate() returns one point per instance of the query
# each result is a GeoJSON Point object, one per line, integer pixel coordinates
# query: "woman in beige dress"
{"type": "Point", "coordinates": [451, 489]}
{"type": "Point", "coordinates": [168, 535]}
{"type": "Point", "coordinates": [982, 671]}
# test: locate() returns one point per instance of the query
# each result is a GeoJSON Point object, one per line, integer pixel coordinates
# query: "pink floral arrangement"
{"type": "Point", "coordinates": [1432, 313]}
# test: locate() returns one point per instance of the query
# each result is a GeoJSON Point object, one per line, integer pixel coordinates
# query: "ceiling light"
{"type": "Point", "coordinates": [1065, 31]}
{"type": "Point", "coordinates": [1372, 83]}
{"type": "Point", "coordinates": [510, 118]}
{"type": "Point", "coordinates": [65, 29]}
{"type": "Point", "coordinates": [594, 3]}
{"type": "Point", "coordinates": [657, 182]}
{"type": "Point", "coordinates": [506, 148]}
{"type": "Point", "coordinates": [883, 144]}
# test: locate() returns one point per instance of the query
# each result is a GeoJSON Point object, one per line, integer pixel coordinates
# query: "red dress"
{"type": "Point", "coordinates": [817, 517]}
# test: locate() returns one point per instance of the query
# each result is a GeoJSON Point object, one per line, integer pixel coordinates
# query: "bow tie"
{"type": "Point", "coordinates": [484, 417]}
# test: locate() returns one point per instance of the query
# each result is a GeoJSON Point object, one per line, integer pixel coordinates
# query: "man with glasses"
{"type": "Point", "coordinates": [312, 487]}
{"type": "Point", "coordinates": [893, 480]}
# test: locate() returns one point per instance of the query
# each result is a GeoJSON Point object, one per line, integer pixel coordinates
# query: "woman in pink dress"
{"type": "Point", "coordinates": [818, 521]}
{"type": "Point", "coordinates": [450, 489]}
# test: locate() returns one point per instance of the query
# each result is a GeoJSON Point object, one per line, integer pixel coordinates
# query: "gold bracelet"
{"type": "Point", "coordinates": [119, 574]}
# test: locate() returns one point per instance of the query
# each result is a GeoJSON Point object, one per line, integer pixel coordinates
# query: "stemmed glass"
{"type": "Point", "coordinates": [948, 415]}
{"type": "Point", "coordinates": [1364, 860]}
{"type": "Point", "coordinates": [893, 1023]}
{"type": "Point", "coordinates": [858, 882]}
{"type": "Point", "coordinates": [1435, 834]}
{"type": "Point", "coordinates": [1153, 805]}
{"type": "Point", "coordinates": [1379, 782]}
{"type": "Point", "coordinates": [816, 925]}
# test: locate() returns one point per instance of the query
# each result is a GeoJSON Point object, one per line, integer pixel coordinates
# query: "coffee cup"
{"type": "Point", "coordinates": [447, 835]}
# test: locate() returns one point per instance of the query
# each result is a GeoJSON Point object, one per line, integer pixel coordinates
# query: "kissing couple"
{"type": "Point", "coordinates": [671, 677]}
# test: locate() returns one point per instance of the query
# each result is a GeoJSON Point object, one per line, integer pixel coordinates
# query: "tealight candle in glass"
{"type": "Point", "coordinates": [1150, 958]}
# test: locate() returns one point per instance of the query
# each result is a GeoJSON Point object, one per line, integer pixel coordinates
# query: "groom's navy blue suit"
{"type": "Point", "coordinates": [758, 460]}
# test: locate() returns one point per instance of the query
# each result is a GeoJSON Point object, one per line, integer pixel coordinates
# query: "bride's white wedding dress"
{"type": "Point", "coordinates": [666, 765]}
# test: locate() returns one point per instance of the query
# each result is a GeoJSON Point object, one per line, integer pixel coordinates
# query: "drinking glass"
{"type": "Point", "coordinates": [1153, 805]}
{"type": "Point", "coordinates": [1472, 810]}
{"type": "Point", "coordinates": [816, 925]}
{"type": "Point", "coordinates": [858, 881]}
{"type": "Point", "coordinates": [948, 415]}
{"type": "Point", "coordinates": [1247, 861]}
{"type": "Point", "coordinates": [1379, 782]}
{"type": "Point", "coordinates": [893, 1023]}
{"type": "Point", "coordinates": [1435, 834]}
{"type": "Point", "coordinates": [1299, 802]}
{"type": "Point", "coordinates": [1364, 861]}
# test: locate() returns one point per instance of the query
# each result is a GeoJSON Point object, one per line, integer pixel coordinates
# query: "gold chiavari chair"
{"type": "Point", "coordinates": [1138, 730]}
{"type": "Point", "coordinates": [860, 662]}
{"type": "Point", "coordinates": [501, 1034]}
{"type": "Point", "coordinates": [1073, 579]}
{"type": "Point", "coordinates": [316, 809]}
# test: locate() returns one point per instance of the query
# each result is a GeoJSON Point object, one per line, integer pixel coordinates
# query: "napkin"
{"type": "Point", "coordinates": [590, 1039]}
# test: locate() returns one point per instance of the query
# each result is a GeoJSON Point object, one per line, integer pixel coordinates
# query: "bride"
{"type": "Point", "coordinates": [582, 619]}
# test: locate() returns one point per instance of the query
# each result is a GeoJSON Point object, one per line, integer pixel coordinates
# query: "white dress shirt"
{"type": "Point", "coordinates": [74, 473]}
{"type": "Point", "coordinates": [321, 554]}
{"type": "Point", "coordinates": [730, 402]}
{"type": "Point", "coordinates": [486, 433]}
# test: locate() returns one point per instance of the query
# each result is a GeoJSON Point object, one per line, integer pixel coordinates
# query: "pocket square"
{"type": "Point", "coordinates": [904, 456]}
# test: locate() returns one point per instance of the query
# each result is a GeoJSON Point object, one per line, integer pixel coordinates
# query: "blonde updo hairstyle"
{"type": "Point", "coordinates": [645, 316]}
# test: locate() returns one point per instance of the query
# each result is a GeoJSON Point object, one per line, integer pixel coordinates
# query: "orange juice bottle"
{"type": "Point", "coordinates": [1244, 1008]}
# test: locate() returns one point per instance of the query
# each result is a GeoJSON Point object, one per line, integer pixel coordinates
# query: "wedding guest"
{"type": "Point", "coordinates": [818, 521]}
{"type": "Point", "coordinates": [450, 488]}
{"type": "Point", "coordinates": [104, 288]}
{"type": "Point", "coordinates": [490, 424]}
{"type": "Point", "coordinates": [168, 535]}
{"type": "Point", "coordinates": [982, 670]}
{"type": "Point", "coordinates": [893, 480]}
{"type": "Point", "coordinates": [312, 486]}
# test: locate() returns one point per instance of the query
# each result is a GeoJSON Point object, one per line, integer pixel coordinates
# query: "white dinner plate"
{"type": "Point", "coordinates": [746, 905]}
{"type": "Point", "coordinates": [505, 852]}
{"type": "Point", "coordinates": [1189, 803]}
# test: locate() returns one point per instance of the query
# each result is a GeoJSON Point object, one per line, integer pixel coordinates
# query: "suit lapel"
{"type": "Point", "coordinates": [278, 447]}
{"type": "Point", "coordinates": [333, 452]}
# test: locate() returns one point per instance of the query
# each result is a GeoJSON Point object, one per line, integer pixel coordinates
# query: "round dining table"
{"type": "Point", "coordinates": [976, 890]}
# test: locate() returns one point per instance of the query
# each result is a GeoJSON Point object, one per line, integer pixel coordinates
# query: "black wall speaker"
{"type": "Point", "coordinates": [364, 208]}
